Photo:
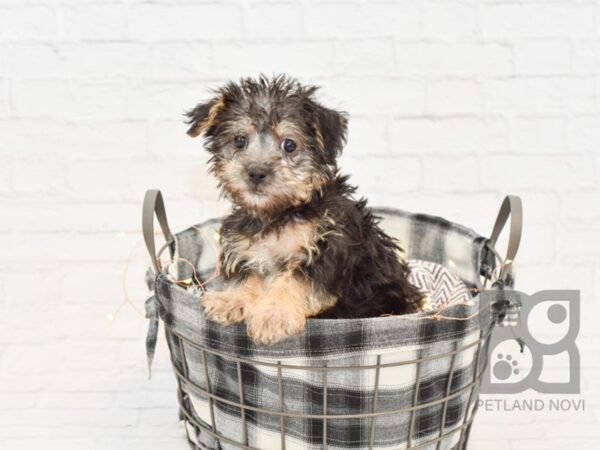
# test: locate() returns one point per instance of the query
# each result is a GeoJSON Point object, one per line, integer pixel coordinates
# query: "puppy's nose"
{"type": "Point", "coordinates": [258, 174]}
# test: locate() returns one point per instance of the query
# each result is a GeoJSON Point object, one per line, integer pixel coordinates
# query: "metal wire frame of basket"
{"type": "Point", "coordinates": [185, 383]}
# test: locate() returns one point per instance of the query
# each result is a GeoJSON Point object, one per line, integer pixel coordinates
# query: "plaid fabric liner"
{"type": "Point", "coordinates": [445, 380]}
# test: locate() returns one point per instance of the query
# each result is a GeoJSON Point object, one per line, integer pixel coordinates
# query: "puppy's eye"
{"type": "Point", "coordinates": [239, 142]}
{"type": "Point", "coordinates": [288, 146]}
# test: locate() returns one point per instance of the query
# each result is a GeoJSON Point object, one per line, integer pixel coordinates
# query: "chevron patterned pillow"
{"type": "Point", "coordinates": [442, 286]}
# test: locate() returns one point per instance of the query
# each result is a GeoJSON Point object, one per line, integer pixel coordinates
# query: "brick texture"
{"type": "Point", "coordinates": [453, 104]}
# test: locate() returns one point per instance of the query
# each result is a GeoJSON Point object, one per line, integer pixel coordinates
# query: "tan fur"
{"type": "Point", "coordinates": [287, 190]}
{"type": "Point", "coordinates": [242, 126]}
{"type": "Point", "coordinates": [288, 129]}
{"type": "Point", "coordinates": [273, 308]}
{"type": "Point", "coordinates": [319, 138]}
{"type": "Point", "coordinates": [281, 310]}
{"type": "Point", "coordinates": [287, 247]}
{"type": "Point", "coordinates": [227, 307]}
{"type": "Point", "coordinates": [205, 124]}
{"type": "Point", "coordinates": [318, 301]}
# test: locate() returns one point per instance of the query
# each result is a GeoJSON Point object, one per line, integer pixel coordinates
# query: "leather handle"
{"type": "Point", "coordinates": [154, 204]}
{"type": "Point", "coordinates": [512, 208]}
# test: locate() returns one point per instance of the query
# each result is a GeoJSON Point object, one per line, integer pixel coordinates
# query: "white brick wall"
{"type": "Point", "coordinates": [453, 104]}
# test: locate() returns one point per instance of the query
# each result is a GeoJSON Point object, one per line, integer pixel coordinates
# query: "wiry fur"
{"type": "Point", "coordinates": [298, 244]}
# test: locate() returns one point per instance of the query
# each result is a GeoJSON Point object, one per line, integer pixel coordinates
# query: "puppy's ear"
{"type": "Point", "coordinates": [332, 130]}
{"type": "Point", "coordinates": [204, 116]}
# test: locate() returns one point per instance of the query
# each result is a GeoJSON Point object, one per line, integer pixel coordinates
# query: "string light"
{"type": "Point", "coordinates": [127, 300]}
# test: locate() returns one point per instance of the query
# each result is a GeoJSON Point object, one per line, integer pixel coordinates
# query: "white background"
{"type": "Point", "coordinates": [453, 104]}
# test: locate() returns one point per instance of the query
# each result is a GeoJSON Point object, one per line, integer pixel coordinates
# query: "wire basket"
{"type": "Point", "coordinates": [401, 382]}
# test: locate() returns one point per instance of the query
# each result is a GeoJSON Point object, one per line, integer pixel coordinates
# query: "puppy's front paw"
{"type": "Point", "coordinates": [223, 307]}
{"type": "Point", "coordinates": [268, 325]}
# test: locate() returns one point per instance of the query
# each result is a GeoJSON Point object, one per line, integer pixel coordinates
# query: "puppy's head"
{"type": "Point", "coordinates": [273, 145]}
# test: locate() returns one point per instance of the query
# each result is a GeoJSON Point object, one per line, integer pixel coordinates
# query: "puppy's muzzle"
{"type": "Point", "coordinates": [258, 174]}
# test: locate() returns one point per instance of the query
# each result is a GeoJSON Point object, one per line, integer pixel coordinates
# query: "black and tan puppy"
{"type": "Point", "coordinates": [296, 244]}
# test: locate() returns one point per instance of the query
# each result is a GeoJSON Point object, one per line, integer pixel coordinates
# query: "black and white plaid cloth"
{"type": "Point", "coordinates": [221, 360]}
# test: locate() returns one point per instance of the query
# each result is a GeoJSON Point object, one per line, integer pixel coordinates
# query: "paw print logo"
{"type": "Point", "coordinates": [548, 325]}
{"type": "Point", "coordinates": [508, 365]}
{"type": "Point", "coordinates": [505, 367]}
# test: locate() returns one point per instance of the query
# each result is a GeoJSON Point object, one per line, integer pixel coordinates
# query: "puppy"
{"type": "Point", "coordinates": [296, 244]}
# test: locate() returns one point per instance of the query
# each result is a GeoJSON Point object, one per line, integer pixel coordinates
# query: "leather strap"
{"type": "Point", "coordinates": [511, 207]}
{"type": "Point", "coordinates": [154, 204]}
